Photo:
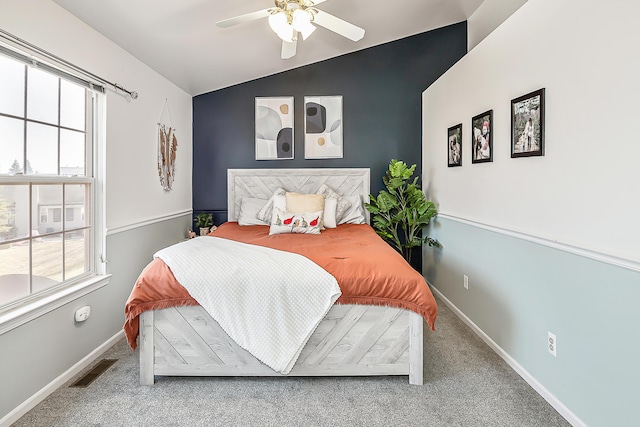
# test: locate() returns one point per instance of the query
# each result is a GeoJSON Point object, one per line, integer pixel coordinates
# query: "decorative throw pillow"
{"type": "Point", "coordinates": [266, 212]}
{"type": "Point", "coordinates": [329, 215]}
{"type": "Point", "coordinates": [355, 214]}
{"type": "Point", "coordinates": [290, 222]}
{"type": "Point", "coordinates": [297, 202]}
{"type": "Point", "coordinates": [343, 203]}
{"type": "Point", "coordinates": [279, 202]}
{"type": "Point", "coordinates": [249, 208]}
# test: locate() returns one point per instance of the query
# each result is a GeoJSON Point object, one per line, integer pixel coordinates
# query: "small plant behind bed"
{"type": "Point", "coordinates": [204, 221]}
{"type": "Point", "coordinates": [402, 211]}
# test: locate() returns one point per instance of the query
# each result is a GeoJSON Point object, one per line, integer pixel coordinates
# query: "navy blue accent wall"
{"type": "Point", "coordinates": [382, 101]}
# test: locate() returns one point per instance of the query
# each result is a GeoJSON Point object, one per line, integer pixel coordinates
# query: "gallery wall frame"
{"type": "Point", "coordinates": [323, 127]}
{"type": "Point", "coordinates": [454, 145]}
{"type": "Point", "coordinates": [527, 124]}
{"type": "Point", "coordinates": [481, 137]}
{"type": "Point", "coordinates": [274, 128]}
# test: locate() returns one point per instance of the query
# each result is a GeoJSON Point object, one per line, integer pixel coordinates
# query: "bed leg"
{"type": "Point", "coordinates": [415, 349]}
{"type": "Point", "coordinates": [145, 344]}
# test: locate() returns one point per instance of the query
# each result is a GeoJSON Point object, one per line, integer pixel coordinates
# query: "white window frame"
{"type": "Point", "coordinates": [34, 306]}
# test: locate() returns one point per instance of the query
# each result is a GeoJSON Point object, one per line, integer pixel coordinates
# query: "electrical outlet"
{"type": "Point", "coordinates": [552, 343]}
{"type": "Point", "coordinates": [466, 282]}
{"type": "Point", "coordinates": [83, 313]}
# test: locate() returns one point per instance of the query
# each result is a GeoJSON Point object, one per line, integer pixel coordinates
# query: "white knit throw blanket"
{"type": "Point", "coordinates": [268, 301]}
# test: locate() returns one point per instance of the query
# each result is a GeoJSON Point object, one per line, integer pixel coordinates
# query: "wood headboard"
{"type": "Point", "coordinates": [261, 183]}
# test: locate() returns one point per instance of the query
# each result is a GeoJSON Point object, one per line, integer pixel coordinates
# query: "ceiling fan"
{"type": "Point", "coordinates": [292, 17]}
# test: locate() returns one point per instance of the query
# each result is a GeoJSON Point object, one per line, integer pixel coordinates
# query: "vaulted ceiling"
{"type": "Point", "coordinates": [179, 39]}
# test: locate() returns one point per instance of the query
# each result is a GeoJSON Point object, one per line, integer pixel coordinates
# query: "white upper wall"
{"type": "Point", "coordinates": [489, 15]}
{"type": "Point", "coordinates": [584, 191]}
{"type": "Point", "coordinates": [133, 190]}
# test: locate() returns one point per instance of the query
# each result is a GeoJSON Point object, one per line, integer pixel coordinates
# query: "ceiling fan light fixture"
{"type": "Point", "coordinates": [307, 31]}
{"type": "Point", "coordinates": [287, 34]}
{"type": "Point", "coordinates": [301, 22]}
{"type": "Point", "coordinates": [290, 18]}
{"type": "Point", "coordinates": [300, 19]}
{"type": "Point", "coordinates": [279, 24]}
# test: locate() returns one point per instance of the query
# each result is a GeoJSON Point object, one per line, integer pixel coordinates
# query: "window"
{"type": "Point", "coordinates": [47, 184]}
{"type": "Point", "coordinates": [57, 215]}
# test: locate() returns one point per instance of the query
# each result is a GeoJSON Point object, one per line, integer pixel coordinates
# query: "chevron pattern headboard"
{"type": "Point", "coordinates": [261, 183]}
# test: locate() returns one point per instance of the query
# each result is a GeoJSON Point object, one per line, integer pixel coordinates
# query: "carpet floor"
{"type": "Point", "coordinates": [466, 384]}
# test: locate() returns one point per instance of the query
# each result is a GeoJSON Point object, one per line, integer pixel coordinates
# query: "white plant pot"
{"type": "Point", "coordinates": [204, 231]}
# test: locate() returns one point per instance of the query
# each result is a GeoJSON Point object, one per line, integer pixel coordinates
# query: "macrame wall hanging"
{"type": "Point", "coordinates": [167, 147]}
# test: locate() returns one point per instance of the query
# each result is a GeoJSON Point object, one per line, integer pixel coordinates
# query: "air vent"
{"type": "Point", "coordinates": [94, 373]}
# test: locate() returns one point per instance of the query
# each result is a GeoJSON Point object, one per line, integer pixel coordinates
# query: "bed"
{"type": "Point", "coordinates": [357, 336]}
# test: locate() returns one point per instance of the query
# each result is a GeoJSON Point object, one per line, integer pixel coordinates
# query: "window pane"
{"type": "Point", "coordinates": [75, 198]}
{"type": "Point", "coordinates": [14, 271]}
{"type": "Point", "coordinates": [11, 87]}
{"type": "Point", "coordinates": [42, 96]}
{"type": "Point", "coordinates": [72, 105]}
{"type": "Point", "coordinates": [14, 212]}
{"type": "Point", "coordinates": [71, 152]}
{"type": "Point", "coordinates": [76, 254]}
{"type": "Point", "coordinates": [42, 149]}
{"type": "Point", "coordinates": [11, 145]}
{"type": "Point", "coordinates": [48, 197]}
{"type": "Point", "coordinates": [46, 254]}
{"type": "Point", "coordinates": [57, 214]}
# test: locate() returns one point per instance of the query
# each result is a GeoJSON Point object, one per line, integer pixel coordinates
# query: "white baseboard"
{"type": "Point", "coordinates": [42, 394]}
{"type": "Point", "coordinates": [539, 388]}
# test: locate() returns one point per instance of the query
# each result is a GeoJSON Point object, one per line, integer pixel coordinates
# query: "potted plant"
{"type": "Point", "coordinates": [402, 211]}
{"type": "Point", "coordinates": [204, 221]}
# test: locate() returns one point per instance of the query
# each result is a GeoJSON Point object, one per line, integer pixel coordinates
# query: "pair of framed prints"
{"type": "Point", "coordinates": [274, 120]}
{"type": "Point", "coordinates": [527, 132]}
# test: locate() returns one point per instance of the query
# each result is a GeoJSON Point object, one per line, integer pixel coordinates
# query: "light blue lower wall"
{"type": "Point", "coordinates": [38, 352]}
{"type": "Point", "coordinates": [519, 290]}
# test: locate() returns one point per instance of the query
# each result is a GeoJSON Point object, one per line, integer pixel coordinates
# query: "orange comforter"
{"type": "Point", "coordinates": [368, 270]}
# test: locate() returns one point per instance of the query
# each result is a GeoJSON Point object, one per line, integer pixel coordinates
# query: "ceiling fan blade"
{"type": "Point", "coordinates": [289, 49]}
{"type": "Point", "coordinates": [339, 26]}
{"type": "Point", "coordinates": [241, 19]}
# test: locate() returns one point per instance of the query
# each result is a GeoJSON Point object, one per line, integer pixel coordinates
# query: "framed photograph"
{"type": "Point", "coordinates": [454, 145]}
{"type": "Point", "coordinates": [527, 125]}
{"type": "Point", "coordinates": [481, 141]}
{"type": "Point", "coordinates": [323, 127]}
{"type": "Point", "coordinates": [274, 128]}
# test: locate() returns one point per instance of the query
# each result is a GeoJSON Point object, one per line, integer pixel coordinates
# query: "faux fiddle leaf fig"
{"type": "Point", "coordinates": [401, 212]}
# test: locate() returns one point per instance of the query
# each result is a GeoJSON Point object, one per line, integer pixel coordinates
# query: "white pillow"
{"type": "Point", "coordinates": [279, 202]}
{"type": "Point", "coordinates": [265, 213]}
{"type": "Point", "coordinates": [355, 214]}
{"type": "Point", "coordinates": [249, 208]}
{"type": "Point", "coordinates": [329, 217]}
{"type": "Point", "coordinates": [343, 202]}
{"type": "Point", "coordinates": [288, 222]}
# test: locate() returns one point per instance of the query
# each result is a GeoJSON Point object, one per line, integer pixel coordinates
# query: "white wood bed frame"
{"type": "Point", "coordinates": [352, 340]}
